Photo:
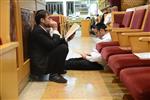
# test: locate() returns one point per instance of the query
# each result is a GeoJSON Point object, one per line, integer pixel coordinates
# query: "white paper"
{"type": "Point", "coordinates": [145, 55]}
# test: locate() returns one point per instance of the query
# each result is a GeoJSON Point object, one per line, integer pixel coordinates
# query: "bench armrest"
{"type": "Point", "coordinates": [136, 34]}
{"type": "Point", "coordinates": [145, 39]}
{"type": "Point", "coordinates": [7, 47]}
{"type": "Point", "coordinates": [125, 30]}
{"type": "Point", "coordinates": [135, 43]}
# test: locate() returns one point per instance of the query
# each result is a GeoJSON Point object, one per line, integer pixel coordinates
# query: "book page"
{"type": "Point", "coordinates": [72, 30]}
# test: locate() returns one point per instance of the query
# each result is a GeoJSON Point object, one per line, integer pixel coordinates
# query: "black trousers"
{"type": "Point", "coordinates": [56, 59]}
{"type": "Point", "coordinates": [82, 64]}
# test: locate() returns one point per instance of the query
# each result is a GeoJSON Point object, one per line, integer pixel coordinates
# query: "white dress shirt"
{"type": "Point", "coordinates": [105, 38]}
{"type": "Point", "coordinates": [52, 31]}
{"type": "Point", "coordinates": [95, 56]}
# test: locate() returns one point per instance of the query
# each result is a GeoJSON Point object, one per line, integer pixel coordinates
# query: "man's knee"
{"type": "Point", "coordinates": [64, 48]}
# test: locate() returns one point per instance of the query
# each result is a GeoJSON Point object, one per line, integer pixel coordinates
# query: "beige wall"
{"type": "Point", "coordinates": [27, 4]}
{"type": "Point", "coordinates": [8, 72]}
{"type": "Point", "coordinates": [32, 4]}
{"type": "Point", "coordinates": [40, 6]}
{"type": "Point", "coordinates": [41, 1]}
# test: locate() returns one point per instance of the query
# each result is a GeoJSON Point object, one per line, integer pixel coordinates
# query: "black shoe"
{"type": "Point", "coordinates": [34, 78]}
{"type": "Point", "coordinates": [57, 78]}
{"type": "Point", "coordinates": [39, 77]}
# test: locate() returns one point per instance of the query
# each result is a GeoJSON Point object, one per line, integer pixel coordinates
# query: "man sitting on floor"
{"type": "Point", "coordinates": [92, 60]}
{"type": "Point", "coordinates": [48, 51]}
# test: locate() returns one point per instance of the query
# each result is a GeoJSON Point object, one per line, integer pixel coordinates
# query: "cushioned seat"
{"type": "Point", "coordinates": [127, 19]}
{"type": "Point", "coordinates": [137, 81]}
{"type": "Point", "coordinates": [125, 23]}
{"type": "Point", "coordinates": [121, 61]}
{"type": "Point", "coordinates": [108, 51]}
{"type": "Point", "coordinates": [113, 50]}
{"type": "Point", "coordinates": [101, 45]}
{"type": "Point", "coordinates": [118, 18]}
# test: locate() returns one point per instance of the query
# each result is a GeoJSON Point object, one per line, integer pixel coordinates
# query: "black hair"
{"type": "Point", "coordinates": [100, 26]}
{"type": "Point", "coordinates": [40, 14]}
{"type": "Point", "coordinates": [88, 18]}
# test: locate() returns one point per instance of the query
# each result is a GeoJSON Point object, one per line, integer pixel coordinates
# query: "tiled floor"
{"type": "Point", "coordinates": [81, 85]}
{"type": "Point", "coordinates": [33, 91]}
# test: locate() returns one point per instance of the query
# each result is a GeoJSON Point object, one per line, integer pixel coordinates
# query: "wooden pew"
{"type": "Point", "coordinates": [133, 37]}
{"type": "Point", "coordinates": [8, 72]}
{"type": "Point", "coordinates": [123, 40]}
{"type": "Point", "coordinates": [118, 18]}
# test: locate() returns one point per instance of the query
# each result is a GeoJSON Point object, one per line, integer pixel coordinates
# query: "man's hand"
{"type": "Point", "coordinates": [84, 55]}
{"type": "Point", "coordinates": [53, 24]}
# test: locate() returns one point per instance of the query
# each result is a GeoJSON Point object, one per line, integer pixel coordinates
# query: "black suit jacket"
{"type": "Point", "coordinates": [41, 44]}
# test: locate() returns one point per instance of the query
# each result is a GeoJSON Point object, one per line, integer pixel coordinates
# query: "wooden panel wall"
{"type": "Point", "coordinates": [32, 4]}
{"type": "Point", "coordinates": [16, 64]}
{"type": "Point", "coordinates": [8, 62]}
{"type": "Point", "coordinates": [5, 20]}
{"type": "Point", "coordinates": [25, 8]}
{"type": "Point", "coordinates": [27, 25]}
{"type": "Point", "coordinates": [8, 72]}
{"type": "Point", "coordinates": [28, 4]}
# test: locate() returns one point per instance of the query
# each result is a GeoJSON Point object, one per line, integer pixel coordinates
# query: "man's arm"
{"type": "Point", "coordinates": [45, 40]}
{"type": "Point", "coordinates": [92, 57]}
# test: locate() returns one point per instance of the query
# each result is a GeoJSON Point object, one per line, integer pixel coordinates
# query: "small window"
{"type": "Point", "coordinates": [54, 7]}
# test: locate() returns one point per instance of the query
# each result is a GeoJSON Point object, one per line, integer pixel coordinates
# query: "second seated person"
{"type": "Point", "coordinates": [48, 50]}
{"type": "Point", "coordinates": [92, 60]}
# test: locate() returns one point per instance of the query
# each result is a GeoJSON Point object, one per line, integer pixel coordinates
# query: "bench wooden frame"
{"type": "Point", "coordinates": [124, 40]}
{"type": "Point", "coordinates": [136, 45]}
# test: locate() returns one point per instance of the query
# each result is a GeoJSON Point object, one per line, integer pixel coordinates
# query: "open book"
{"type": "Point", "coordinates": [72, 30]}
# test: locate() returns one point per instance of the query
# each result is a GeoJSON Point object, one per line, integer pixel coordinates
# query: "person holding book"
{"type": "Point", "coordinates": [92, 60]}
{"type": "Point", "coordinates": [48, 50]}
{"type": "Point", "coordinates": [102, 36]}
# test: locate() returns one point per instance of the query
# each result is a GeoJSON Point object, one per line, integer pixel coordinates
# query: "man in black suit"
{"type": "Point", "coordinates": [47, 50]}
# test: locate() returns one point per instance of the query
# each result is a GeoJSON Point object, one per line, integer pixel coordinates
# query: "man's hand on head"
{"type": "Point", "coordinates": [53, 24]}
